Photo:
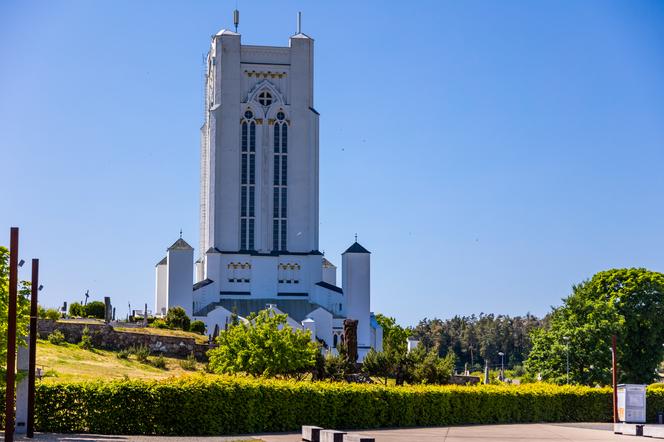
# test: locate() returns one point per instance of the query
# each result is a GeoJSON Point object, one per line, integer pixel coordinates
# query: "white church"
{"type": "Point", "coordinates": [259, 203]}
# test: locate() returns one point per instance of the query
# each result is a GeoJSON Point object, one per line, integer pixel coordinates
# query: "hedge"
{"type": "Point", "coordinates": [216, 405]}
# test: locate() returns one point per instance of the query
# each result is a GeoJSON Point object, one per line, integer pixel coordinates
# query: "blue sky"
{"type": "Point", "coordinates": [489, 154]}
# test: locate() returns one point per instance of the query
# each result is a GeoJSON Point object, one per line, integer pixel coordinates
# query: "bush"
{"type": "Point", "coordinates": [77, 310]}
{"type": "Point", "coordinates": [122, 354]}
{"type": "Point", "coordinates": [86, 340]}
{"type": "Point", "coordinates": [56, 337]}
{"type": "Point", "coordinates": [52, 313]}
{"type": "Point", "coordinates": [141, 352]}
{"type": "Point", "coordinates": [177, 318]}
{"type": "Point", "coordinates": [197, 327]}
{"type": "Point", "coordinates": [95, 309]}
{"type": "Point", "coordinates": [235, 405]}
{"type": "Point", "coordinates": [189, 364]}
{"type": "Point", "coordinates": [159, 362]}
{"type": "Point", "coordinates": [159, 323]}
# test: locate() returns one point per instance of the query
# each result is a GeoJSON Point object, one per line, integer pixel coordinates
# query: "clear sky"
{"type": "Point", "coordinates": [490, 154]}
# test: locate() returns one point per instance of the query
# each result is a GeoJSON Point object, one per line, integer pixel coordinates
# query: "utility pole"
{"type": "Point", "coordinates": [11, 335]}
{"type": "Point", "coordinates": [502, 365]}
{"type": "Point", "coordinates": [32, 347]}
{"type": "Point", "coordinates": [566, 338]}
{"type": "Point", "coordinates": [615, 379]}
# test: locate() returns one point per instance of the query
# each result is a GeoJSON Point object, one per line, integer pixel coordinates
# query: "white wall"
{"type": "Point", "coordinates": [161, 287]}
{"type": "Point", "coordinates": [323, 320]}
{"type": "Point", "coordinates": [180, 275]}
{"type": "Point", "coordinates": [356, 286]}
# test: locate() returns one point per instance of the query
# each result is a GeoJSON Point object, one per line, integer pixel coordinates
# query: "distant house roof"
{"type": "Point", "coordinates": [329, 286]}
{"type": "Point", "coordinates": [297, 309]}
{"type": "Point", "coordinates": [327, 264]}
{"type": "Point", "coordinates": [356, 248]}
{"type": "Point", "coordinates": [180, 244]}
{"type": "Point", "coordinates": [163, 262]}
{"type": "Point", "coordinates": [203, 283]}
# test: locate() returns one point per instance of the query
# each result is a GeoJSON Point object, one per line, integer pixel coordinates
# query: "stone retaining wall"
{"type": "Point", "coordinates": [106, 337]}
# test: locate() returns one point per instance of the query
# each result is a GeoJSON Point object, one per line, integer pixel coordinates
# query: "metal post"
{"type": "Point", "coordinates": [615, 379]}
{"type": "Point", "coordinates": [32, 364]}
{"type": "Point", "coordinates": [11, 335]}
{"type": "Point", "coordinates": [568, 362]}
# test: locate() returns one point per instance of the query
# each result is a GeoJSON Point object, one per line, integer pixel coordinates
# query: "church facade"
{"type": "Point", "coordinates": [259, 204]}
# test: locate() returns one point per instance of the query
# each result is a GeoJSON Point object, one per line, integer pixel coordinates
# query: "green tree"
{"type": "Point", "coordinates": [625, 302]}
{"type": "Point", "coordinates": [264, 346]}
{"type": "Point", "coordinates": [378, 364]}
{"type": "Point", "coordinates": [76, 309]}
{"type": "Point", "coordinates": [22, 311]}
{"type": "Point", "coordinates": [177, 318]}
{"type": "Point", "coordinates": [197, 327]}
{"type": "Point", "coordinates": [95, 309]}
{"type": "Point", "coordinates": [429, 368]}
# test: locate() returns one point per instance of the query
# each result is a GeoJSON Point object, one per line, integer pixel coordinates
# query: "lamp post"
{"type": "Point", "coordinates": [566, 338]}
{"type": "Point", "coordinates": [502, 365]}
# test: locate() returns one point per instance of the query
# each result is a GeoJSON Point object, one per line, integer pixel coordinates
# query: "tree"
{"type": "Point", "coordinates": [177, 318]}
{"type": "Point", "coordinates": [197, 326]}
{"type": "Point", "coordinates": [22, 308]}
{"type": "Point", "coordinates": [264, 346]}
{"type": "Point", "coordinates": [76, 309]}
{"type": "Point", "coordinates": [379, 364]}
{"type": "Point", "coordinates": [625, 302]}
{"type": "Point", "coordinates": [429, 368]}
{"type": "Point", "coordinates": [95, 309]}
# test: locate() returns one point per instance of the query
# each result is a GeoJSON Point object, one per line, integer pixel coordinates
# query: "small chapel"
{"type": "Point", "coordinates": [259, 203]}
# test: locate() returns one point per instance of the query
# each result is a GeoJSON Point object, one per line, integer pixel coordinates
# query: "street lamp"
{"type": "Point", "coordinates": [566, 338]}
{"type": "Point", "coordinates": [502, 365]}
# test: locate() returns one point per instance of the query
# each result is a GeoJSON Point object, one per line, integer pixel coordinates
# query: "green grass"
{"type": "Point", "coordinates": [201, 339]}
{"type": "Point", "coordinates": [68, 362]}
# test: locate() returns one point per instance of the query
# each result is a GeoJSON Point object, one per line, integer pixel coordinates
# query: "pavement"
{"type": "Point", "coordinates": [475, 433]}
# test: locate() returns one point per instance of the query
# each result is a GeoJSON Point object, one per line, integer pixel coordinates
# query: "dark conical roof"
{"type": "Point", "coordinates": [180, 244]}
{"type": "Point", "coordinates": [356, 248]}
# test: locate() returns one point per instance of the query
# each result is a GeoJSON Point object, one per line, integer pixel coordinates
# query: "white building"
{"type": "Point", "coordinates": [259, 203]}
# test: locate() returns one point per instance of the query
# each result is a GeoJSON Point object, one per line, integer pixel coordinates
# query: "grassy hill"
{"type": "Point", "coordinates": [68, 362]}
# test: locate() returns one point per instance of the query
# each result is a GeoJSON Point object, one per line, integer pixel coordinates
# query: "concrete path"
{"type": "Point", "coordinates": [477, 433]}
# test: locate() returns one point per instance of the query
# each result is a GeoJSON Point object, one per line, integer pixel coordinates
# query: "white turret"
{"type": "Point", "coordinates": [356, 265]}
{"type": "Point", "coordinates": [180, 276]}
{"type": "Point", "coordinates": [161, 298]}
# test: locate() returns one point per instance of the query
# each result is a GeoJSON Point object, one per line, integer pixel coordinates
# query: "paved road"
{"type": "Point", "coordinates": [478, 433]}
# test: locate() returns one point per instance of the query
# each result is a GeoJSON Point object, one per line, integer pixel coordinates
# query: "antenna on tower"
{"type": "Point", "coordinates": [299, 22]}
{"type": "Point", "coordinates": [236, 18]}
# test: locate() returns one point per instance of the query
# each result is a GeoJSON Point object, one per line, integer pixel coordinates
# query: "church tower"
{"type": "Point", "coordinates": [259, 148]}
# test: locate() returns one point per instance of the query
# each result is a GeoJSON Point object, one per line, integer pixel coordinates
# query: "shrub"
{"type": "Point", "coordinates": [76, 309]}
{"type": "Point", "coordinates": [177, 318]}
{"type": "Point", "coordinates": [234, 405]}
{"type": "Point", "coordinates": [197, 327]}
{"type": "Point", "coordinates": [159, 323]}
{"type": "Point", "coordinates": [189, 364]}
{"type": "Point", "coordinates": [56, 337]}
{"type": "Point", "coordinates": [86, 340]}
{"type": "Point", "coordinates": [122, 354]}
{"type": "Point", "coordinates": [95, 309]}
{"type": "Point", "coordinates": [141, 352]}
{"type": "Point", "coordinates": [52, 313]}
{"type": "Point", "coordinates": [159, 362]}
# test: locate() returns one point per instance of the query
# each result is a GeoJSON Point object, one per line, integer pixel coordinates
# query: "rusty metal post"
{"type": "Point", "coordinates": [11, 335]}
{"type": "Point", "coordinates": [615, 379]}
{"type": "Point", "coordinates": [32, 364]}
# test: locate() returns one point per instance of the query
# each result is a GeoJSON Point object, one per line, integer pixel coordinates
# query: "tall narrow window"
{"type": "Point", "coordinates": [248, 181]}
{"type": "Point", "coordinates": [280, 184]}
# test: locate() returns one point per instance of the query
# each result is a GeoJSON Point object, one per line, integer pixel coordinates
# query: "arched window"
{"type": "Point", "coordinates": [335, 340]}
{"type": "Point", "coordinates": [248, 181]}
{"type": "Point", "coordinates": [280, 184]}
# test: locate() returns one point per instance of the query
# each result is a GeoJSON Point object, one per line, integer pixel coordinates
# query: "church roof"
{"type": "Point", "coordinates": [180, 244]}
{"type": "Point", "coordinates": [298, 309]}
{"type": "Point", "coordinates": [327, 285]}
{"type": "Point", "coordinates": [356, 248]}
{"type": "Point", "coordinates": [203, 283]}
{"type": "Point", "coordinates": [163, 262]}
{"type": "Point", "coordinates": [327, 264]}
{"type": "Point", "coordinates": [226, 32]}
{"type": "Point", "coordinates": [301, 35]}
